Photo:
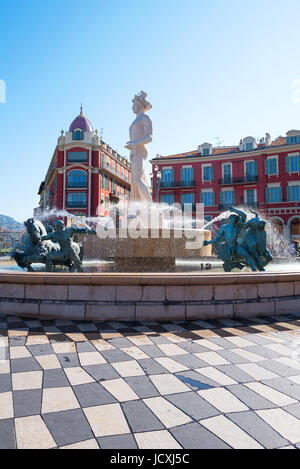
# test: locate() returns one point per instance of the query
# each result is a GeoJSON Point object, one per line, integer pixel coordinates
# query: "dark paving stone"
{"type": "Point", "coordinates": [195, 376]}
{"type": "Point", "coordinates": [191, 347]}
{"type": "Point", "coordinates": [5, 382]}
{"type": "Point", "coordinates": [195, 436]}
{"type": "Point", "coordinates": [4, 353]}
{"type": "Point", "coordinates": [55, 379]}
{"type": "Point", "coordinates": [68, 427]}
{"type": "Point", "coordinates": [264, 352]}
{"type": "Point", "coordinates": [58, 338]}
{"type": "Point", "coordinates": [223, 332]}
{"type": "Point", "coordinates": [160, 339]}
{"type": "Point", "coordinates": [222, 343]}
{"type": "Point", "coordinates": [17, 341]}
{"type": "Point", "coordinates": [192, 383]}
{"type": "Point", "coordinates": [120, 342]}
{"type": "Point", "coordinates": [102, 372]}
{"type": "Point", "coordinates": [142, 386]}
{"type": "Point", "coordinates": [193, 405]}
{"type": "Point", "coordinates": [140, 417]}
{"type": "Point", "coordinates": [232, 357]}
{"type": "Point", "coordinates": [113, 356]}
{"type": "Point", "coordinates": [258, 339]}
{"type": "Point", "coordinates": [190, 361]}
{"type": "Point", "coordinates": [85, 346]}
{"type": "Point", "coordinates": [258, 429]}
{"type": "Point", "coordinates": [151, 367]}
{"type": "Point", "coordinates": [19, 365]}
{"type": "Point", "coordinates": [7, 434]}
{"type": "Point", "coordinates": [293, 409]}
{"type": "Point", "coordinates": [252, 400]}
{"type": "Point", "coordinates": [68, 360]}
{"type": "Point", "coordinates": [152, 350]}
{"type": "Point", "coordinates": [189, 335]}
{"type": "Point", "coordinates": [279, 368]}
{"type": "Point", "coordinates": [235, 373]}
{"type": "Point", "coordinates": [285, 386]}
{"type": "Point", "coordinates": [117, 442]}
{"type": "Point", "coordinates": [27, 402]}
{"type": "Point", "coordinates": [93, 394]}
{"type": "Point", "coordinates": [38, 350]}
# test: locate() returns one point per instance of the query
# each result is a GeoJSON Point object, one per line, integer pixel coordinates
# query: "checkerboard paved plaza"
{"type": "Point", "coordinates": [117, 385]}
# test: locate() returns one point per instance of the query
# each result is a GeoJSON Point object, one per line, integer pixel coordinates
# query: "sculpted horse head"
{"type": "Point", "coordinates": [35, 230]}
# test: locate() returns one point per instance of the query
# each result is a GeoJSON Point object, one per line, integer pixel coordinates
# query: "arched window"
{"type": "Point", "coordinates": [78, 134]}
{"type": "Point", "coordinates": [77, 179]}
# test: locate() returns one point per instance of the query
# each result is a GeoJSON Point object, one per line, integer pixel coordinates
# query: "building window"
{"type": "Point", "coordinates": [207, 198]}
{"type": "Point", "coordinates": [227, 173]}
{"type": "Point", "coordinates": [250, 196]}
{"type": "Point", "coordinates": [227, 198]}
{"type": "Point", "coordinates": [274, 194]}
{"type": "Point", "coordinates": [293, 140]}
{"type": "Point", "coordinates": [207, 173]}
{"type": "Point", "coordinates": [167, 177]}
{"type": "Point", "coordinates": [77, 156]}
{"type": "Point", "coordinates": [251, 170]}
{"type": "Point", "coordinates": [187, 176]}
{"type": "Point", "coordinates": [187, 198]}
{"type": "Point", "coordinates": [271, 166]}
{"type": "Point", "coordinates": [77, 178]}
{"type": "Point", "coordinates": [206, 151]}
{"type": "Point", "coordinates": [249, 146]}
{"type": "Point", "coordinates": [78, 134]}
{"type": "Point", "coordinates": [292, 164]}
{"type": "Point", "coordinates": [293, 193]}
{"type": "Point", "coordinates": [76, 200]}
{"type": "Point", "coordinates": [167, 198]}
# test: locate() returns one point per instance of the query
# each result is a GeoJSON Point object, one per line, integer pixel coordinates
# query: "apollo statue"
{"type": "Point", "coordinates": [140, 133]}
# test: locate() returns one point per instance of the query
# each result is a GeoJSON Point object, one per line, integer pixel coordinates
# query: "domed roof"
{"type": "Point", "coordinates": [81, 122]}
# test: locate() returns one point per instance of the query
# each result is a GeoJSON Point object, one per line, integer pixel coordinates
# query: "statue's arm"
{"type": "Point", "coordinates": [81, 231]}
{"type": "Point", "coordinates": [217, 239]}
{"type": "Point", "coordinates": [240, 213]}
{"type": "Point", "coordinates": [48, 236]}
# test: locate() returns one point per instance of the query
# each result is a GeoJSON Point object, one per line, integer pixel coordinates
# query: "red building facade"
{"type": "Point", "coordinates": [263, 176]}
{"type": "Point", "coordinates": [85, 175]}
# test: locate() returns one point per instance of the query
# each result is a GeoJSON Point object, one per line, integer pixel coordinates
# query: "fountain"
{"type": "Point", "coordinates": [140, 244]}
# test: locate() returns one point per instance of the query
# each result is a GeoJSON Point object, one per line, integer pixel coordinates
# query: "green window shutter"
{"type": "Point", "coordinates": [267, 167]}
{"type": "Point", "coordinates": [280, 194]}
{"type": "Point", "coordinates": [222, 197]}
{"type": "Point", "coordinates": [298, 162]}
{"type": "Point", "coordinates": [213, 199]}
{"type": "Point", "coordinates": [181, 174]}
{"type": "Point", "coordinates": [212, 173]}
{"type": "Point", "coordinates": [288, 164]}
{"type": "Point", "coordinates": [268, 194]}
{"type": "Point", "coordinates": [255, 168]}
{"type": "Point", "coordinates": [201, 198]}
{"type": "Point", "coordinates": [288, 194]}
{"type": "Point", "coordinates": [233, 197]}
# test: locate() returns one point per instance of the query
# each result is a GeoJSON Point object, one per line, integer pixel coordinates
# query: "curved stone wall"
{"type": "Point", "coordinates": [147, 297]}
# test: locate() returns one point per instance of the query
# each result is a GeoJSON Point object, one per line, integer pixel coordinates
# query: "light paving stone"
{"type": "Point", "coordinates": [257, 372]}
{"type": "Point", "coordinates": [195, 436]}
{"type": "Point", "coordinates": [271, 394]}
{"type": "Point", "coordinates": [250, 398]}
{"type": "Point", "coordinates": [156, 440]}
{"type": "Point", "coordinates": [106, 420]}
{"type": "Point", "coordinates": [223, 400]}
{"type": "Point", "coordinates": [6, 405]}
{"type": "Point", "coordinates": [140, 417]}
{"type": "Point", "coordinates": [139, 340]}
{"type": "Point", "coordinates": [64, 347]}
{"type": "Point", "coordinates": [230, 433]}
{"type": "Point", "coordinates": [171, 349]}
{"type": "Point", "coordinates": [19, 352]}
{"type": "Point", "coordinates": [91, 358]}
{"type": "Point", "coordinates": [48, 362]}
{"type": "Point", "coordinates": [168, 384]}
{"type": "Point", "coordinates": [258, 429]}
{"type": "Point", "coordinates": [284, 423]}
{"type": "Point", "coordinates": [264, 351]}
{"type": "Point", "coordinates": [130, 368]}
{"type": "Point", "coordinates": [120, 390]}
{"type": "Point", "coordinates": [216, 375]}
{"type": "Point", "coordinates": [279, 368]}
{"type": "Point", "coordinates": [193, 405]}
{"type": "Point", "coordinates": [281, 349]}
{"type": "Point", "coordinates": [77, 375]}
{"type": "Point", "coordinates": [240, 342]}
{"type": "Point", "coordinates": [171, 365]}
{"type": "Point", "coordinates": [207, 344]}
{"type": "Point", "coordinates": [37, 339]}
{"type": "Point", "coordinates": [289, 362]}
{"type": "Point", "coordinates": [101, 344]}
{"type": "Point", "coordinates": [88, 444]}
{"type": "Point", "coordinates": [212, 358]}
{"type": "Point", "coordinates": [27, 380]}
{"type": "Point", "coordinates": [167, 413]}
{"type": "Point", "coordinates": [252, 357]}
{"type": "Point", "coordinates": [68, 427]}
{"type": "Point", "coordinates": [4, 367]}
{"type": "Point", "coordinates": [295, 379]}
{"type": "Point", "coordinates": [135, 353]}
{"type": "Point", "coordinates": [32, 433]}
{"type": "Point", "coordinates": [58, 399]}
{"type": "Point", "coordinates": [285, 386]}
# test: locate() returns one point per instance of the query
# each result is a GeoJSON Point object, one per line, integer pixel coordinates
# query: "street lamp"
{"type": "Point", "coordinates": [157, 182]}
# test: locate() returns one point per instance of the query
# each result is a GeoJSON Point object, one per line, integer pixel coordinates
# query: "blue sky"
{"type": "Point", "coordinates": [218, 68]}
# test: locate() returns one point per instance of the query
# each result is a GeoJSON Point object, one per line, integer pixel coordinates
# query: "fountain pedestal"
{"type": "Point", "coordinates": [153, 251]}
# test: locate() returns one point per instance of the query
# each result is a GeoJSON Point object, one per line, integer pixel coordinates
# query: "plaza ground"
{"type": "Point", "coordinates": [215, 384]}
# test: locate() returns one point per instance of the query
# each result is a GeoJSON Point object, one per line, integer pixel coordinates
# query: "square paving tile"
{"type": "Point", "coordinates": [151, 366]}
{"type": "Point", "coordinates": [68, 427]}
{"type": "Point", "coordinates": [142, 386]}
{"type": "Point", "coordinates": [24, 364]}
{"type": "Point", "coordinates": [5, 382]}
{"type": "Point", "coordinates": [68, 360]}
{"type": "Point", "coordinates": [93, 394]}
{"type": "Point", "coordinates": [118, 442]}
{"type": "Point", "coordinates": [140, 418]}
{"type": "Point", "coordinates": [7, 434]}
{"type": "Point", "coordinates": [58, 399]}
{"type": "Point", "coordinates": [114, 356]}
{"type": "Point", "coordinates": [55, 379]}
{"type": "Point", "coordinates": [102, 372]}
{"type": "Point", "coordinates": [195, 436]}
{"type": "Point", "coordinates": [27, 402]}
{"type": "Point", "coordinates": [193, 405]}
{"type": "Point", "coordinates": [107, 420]}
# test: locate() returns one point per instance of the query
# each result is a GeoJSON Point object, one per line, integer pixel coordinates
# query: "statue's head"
{"type": "Point", "coordinates": [59, 225]}
{"type": "Point", "coordinates": [233, 219]}
{"type": "Point", "coordinates": [256, 224]}
{"type": "Point", "coordinates": [140, 103]}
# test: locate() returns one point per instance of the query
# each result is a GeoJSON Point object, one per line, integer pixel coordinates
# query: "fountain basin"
{"type": "Point", "coordinates": [148, 297]}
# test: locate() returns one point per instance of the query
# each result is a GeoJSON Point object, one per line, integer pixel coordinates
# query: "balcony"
{"type": "Point", "coordinates": [243, 204]}
{"type": "Point", "coordinates": [76, 204]}
{"type": "Point", "coordinates": [175, 184]}
{"type": "Point", "coordinates": [110, 170]}
{"type": "Point", "coordinates": [227, 181]}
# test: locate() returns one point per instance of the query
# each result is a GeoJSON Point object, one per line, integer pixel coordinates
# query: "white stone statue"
{"type": "Point", "coordinates": [140, 133]}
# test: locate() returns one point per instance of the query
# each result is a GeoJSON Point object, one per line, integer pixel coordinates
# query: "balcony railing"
{"type": "Point", "coordinates": [170, 184]}
{"type": "Point", "coordinates": [114, 171]}
{"type": "Point", "coordinates": [239, 180]}
{"type": "Point", "coordinates": [244, 204]}
{"type": "Point", "coordinates": [76, 204]}
{"type": "Point", "coordinates": [76, 185]}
